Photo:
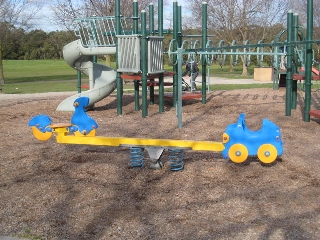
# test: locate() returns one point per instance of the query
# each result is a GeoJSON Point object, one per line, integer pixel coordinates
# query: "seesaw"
{"type": "Point", "coordinates": [238, 142]}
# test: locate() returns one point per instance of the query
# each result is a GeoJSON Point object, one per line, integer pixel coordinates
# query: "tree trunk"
{"type": "Point", "coordinates": [108, 60]}
{"type": "Point", "coordinates": [244, 67]}
{"type": "Point", "coordinates": [231, 67]}
{"type": "Point", "coordinates": [244, 70]}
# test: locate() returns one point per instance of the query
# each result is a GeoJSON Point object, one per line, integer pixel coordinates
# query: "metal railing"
{"type": "Point", "coordinates": [99, 31]}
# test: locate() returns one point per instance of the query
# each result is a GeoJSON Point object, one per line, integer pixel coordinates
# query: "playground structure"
{"type": "Point", "coordinates": [238, 141]}
{"type": "Point", "coordinates": [139, 57]}
{"type": "Point", "coordinates": [110, 35]}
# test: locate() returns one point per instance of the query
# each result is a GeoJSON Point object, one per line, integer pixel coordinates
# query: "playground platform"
{"type": "Point", "coordinates": [213, 80]}
{"type": "Point", "coordinates": [218, 80]}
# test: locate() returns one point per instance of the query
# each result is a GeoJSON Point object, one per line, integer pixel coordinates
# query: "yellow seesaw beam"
{"type": "Point", "coordinates": [140, 142]}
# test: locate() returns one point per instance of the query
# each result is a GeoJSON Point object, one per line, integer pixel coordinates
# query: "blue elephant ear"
{"type": "Point", "coordinates": [40, 121]}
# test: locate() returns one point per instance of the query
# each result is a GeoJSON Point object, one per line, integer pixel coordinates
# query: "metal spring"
{"type": "Point", "coordinates": [176, 159]}
{"type": "Point", "coordinates": [136, 157]}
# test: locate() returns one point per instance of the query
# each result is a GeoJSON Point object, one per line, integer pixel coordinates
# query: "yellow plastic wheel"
{"type": "Point", "coordinates": [40, 135]}
{"type": "Point", "coordinates": [238, 153]}
{"type": "Point", "coordinates": [92, 133]}
{"type": "Point", "coordinates": [267, 153]}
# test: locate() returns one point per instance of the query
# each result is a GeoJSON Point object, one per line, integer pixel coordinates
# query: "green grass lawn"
{"type": "Point", "coordinates": [17, 71]}
{"type": "Point", "coordinates": [38, 76]}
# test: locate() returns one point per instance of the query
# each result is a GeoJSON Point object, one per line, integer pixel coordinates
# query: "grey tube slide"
{"type": "Point", "coordinates": [102, 79]}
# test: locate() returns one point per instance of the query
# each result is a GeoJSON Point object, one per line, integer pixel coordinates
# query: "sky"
{"type": "Point", "coordinates": [45, 20]}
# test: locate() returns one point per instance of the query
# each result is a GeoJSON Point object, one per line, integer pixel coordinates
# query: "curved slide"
{"type": "Point", "coordinates": [102, 79]}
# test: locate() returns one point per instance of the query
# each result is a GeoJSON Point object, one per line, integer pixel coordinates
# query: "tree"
{"type": "Point", "coordinates": [66, 10]}
{"type": "Point", "coordinates": [54, 43]}
{"type": "Point", "coordinates": [236, 19]}
{"type": "Point", "coordinates": [12, 47]}
{"type": "Point", "coordinates": [300, 7]}
{"type": "Point", "coordinates": [14, 13]}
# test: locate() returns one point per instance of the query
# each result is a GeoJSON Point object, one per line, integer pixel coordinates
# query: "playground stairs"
{"type": "Point", "coordinates": [295, 77]}
{"type": "Point", "coordinates": [300, 77]}
{"type": "Point", "coordinates": [315, 113]}
{"type": "Point", "coordinates": [314, 77]}
{"type": "Point", "coordinates": [185, 95]}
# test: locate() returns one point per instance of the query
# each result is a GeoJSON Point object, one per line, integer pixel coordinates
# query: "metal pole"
{"type": "Point", "coordinates": [308, 67]}
{"type": "Point", "coordinates": [151, 19]}
{"type": "Point", "coordinates": [289, 64]}
{"type": "Point", "coordinates": [179, 25]}
{"type": "Point", "coordinates": [135, 16]}
{"type": "Point", "coordinates": [161, 76]}
{"type": "Point", "coordinates": [276, 75]}
{"type": "Point", "coordinates": [79, 81]}
{"type": "Point", "coordinates": [144, 67]}
{"type": "Point", "coordinates": [151, 33]}
{"type": "Point", "coordinates": [203, 60]}
{"type": "Point", "coordinates": [175, 66]}
{"type": "Point", "coordinates": [119, 80]}
{"type": "Point", "coordinates": [294, 69]}
{"type": "Point", "coordinates": [135, 31]}
{"type": "Point", "coordinates": [179, 102]}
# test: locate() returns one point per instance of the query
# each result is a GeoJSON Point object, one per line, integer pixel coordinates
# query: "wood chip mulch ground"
{"type": "Point", "coordinates": [73, 192]}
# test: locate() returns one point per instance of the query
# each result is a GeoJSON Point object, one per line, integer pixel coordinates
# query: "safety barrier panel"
{"type": "Point", "coordinates": [129, 53]}
{"type": "Point", "coordinates": [155, 54]}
